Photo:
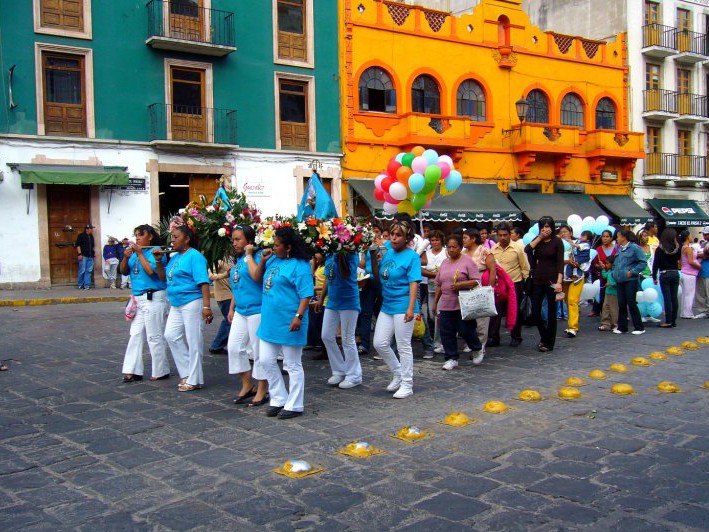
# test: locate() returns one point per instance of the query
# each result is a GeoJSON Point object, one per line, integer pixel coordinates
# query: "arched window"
{"type": "Point", "coordinates": [425, 96]}
{"type": "Point", "coordinates": [572, 111]}
{"type": "Point", "coordinates": [538, 112]}
{"type": "Point", "coordinates": [471, 100]}
{"type": "Point", "coordinates": [605, 114]}
{"type": "Point", "coordinates": [376, 91]}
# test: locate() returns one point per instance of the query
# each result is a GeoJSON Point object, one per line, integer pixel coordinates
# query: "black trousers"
{"type": "Point", "coordinates": [627, 303]}
{"type": "Point", "coordinates": [542, 293]}
{"type": "Point", "coordinates": [669, 284]}
{"type": "Point", "coordinates": [453, 324]}
{"type": "Point", "coordinates": [493, 331]}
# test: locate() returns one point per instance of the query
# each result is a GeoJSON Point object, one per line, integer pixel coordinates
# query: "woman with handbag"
{"type": "Point", "coordinates": [147, 275]}
{"type": "Point", "coordinates": [602, 266]}
{"type": "Point", "coordinates": [399, 273]}
{"type": "Point", "coordinates": [458, 272]}
{"type": "Point", "coordinates": [666, 265]}
{"type": "Point", "coordinates": [485, 261]}
{"type": "Point", "coordinates": [546, 262]}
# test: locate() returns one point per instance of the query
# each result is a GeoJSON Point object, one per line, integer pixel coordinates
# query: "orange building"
{"type": "Point", "coordinates": [526, 110]}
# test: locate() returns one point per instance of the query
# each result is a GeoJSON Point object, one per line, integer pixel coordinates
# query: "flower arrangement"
{"type": "Point", "coordinates": [336, 235]}
{"type": "Point", "coordinates": [266, 229]}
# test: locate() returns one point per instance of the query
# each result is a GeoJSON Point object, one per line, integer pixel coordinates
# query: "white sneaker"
{"type": "Point", "coordinates": [638, 333]}
{"type": "Point", "coordinates": [346, 385]}
{"type": "Point", "coordinates": [335, 380]}
{"type": "Point", "coordinates": [403, 392]}
{"type": "Point", "coordinates": [699, 316]}
{"type": "Point", "coordinates": [617, 331]}
{"type": "Point", "coordinates": [644, 319]}
{"type": "Point", "coordinates": [654, 320]}
{"type": "Point", "coordinates": [478, 359]}
{"type": "Point", "coordinates": [394, 384]}
{"type": "Point", "coordinates": [466, 349]}
{"type": "Point", "coordinates": [450, 364]}
{"type": "Point", "coordinates": [438, 350]}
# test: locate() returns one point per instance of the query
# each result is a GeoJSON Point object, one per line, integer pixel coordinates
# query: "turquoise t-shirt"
{"type": "Point", "coordinates": [247, 292]}
{"type": "Point", "coordinates": [186, 273]}
{"type": "Point", "coordinates": [141, 281]}
{"type": "Point", "coordinates": [396, 271]}
{"type": "Point", "coordinates": [285, 283]}
{"type": "Point", "coordinates": [342, 294]}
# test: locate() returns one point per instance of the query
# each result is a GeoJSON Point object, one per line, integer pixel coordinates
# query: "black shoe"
{"type": "Point", "coordinates": [132, 378]}
{"type": "Point", "coordinates": [239, 399]}
{"type": "Point", "coordinates": [220, 351]}
{"type": "Point", "coordinates": [287, 414]}
{"type": "Point", "coordinates": [515, 342]}
{"type": "Point", "coordinates": [493, 344]}
{"type": "Point", "coordinates": [273, 411]}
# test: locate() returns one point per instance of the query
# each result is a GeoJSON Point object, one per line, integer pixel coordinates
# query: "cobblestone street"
{"type": "Point", "coordinates": [81, 450]}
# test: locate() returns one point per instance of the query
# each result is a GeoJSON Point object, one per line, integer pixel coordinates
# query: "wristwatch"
{"type": "Point", "coordinates": [299, 316]}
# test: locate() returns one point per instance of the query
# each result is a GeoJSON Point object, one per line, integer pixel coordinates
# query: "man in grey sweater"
{"type": "Point", "coordinates": [629, 262]}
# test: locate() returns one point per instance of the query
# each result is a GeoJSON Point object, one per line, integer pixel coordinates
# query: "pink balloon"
{"type": "Point", "coordinates": [446, 159]}
{"type": "Point", "coordinates": [389, 199]}
{"type": "Point", "coordinates": [419, 165]}
{"type": "Point", "coordinates": [427, 204]}
{"type": "Point", "coordinates": [378, 180]}
{"type": "Point", "coordinates": [445, 169]}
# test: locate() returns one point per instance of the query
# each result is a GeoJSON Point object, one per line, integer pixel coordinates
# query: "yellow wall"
{"type": "Point", "coordinates": [472, 47]}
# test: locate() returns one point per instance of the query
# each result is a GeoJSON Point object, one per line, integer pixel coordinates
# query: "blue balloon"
{"type": "Point", "coordinates": [654, 309]}
{"type": "Point", "coordinates": [454, 180]}
{"type": "Point", "coordinates": [399, 157]}
{"type": "Point", "coordinates": [527, 238]}
{"type": "Point", "coordinates": [643, 308]}
{"type": "Point", "coordinates": [594, 254]}
{"type": "Point", "coordinates": [611, 229]}
{"type": "Point", "coordinates": [647, 283]}
{"type": "Point", "coordinates": [598, 227]}
{"type": "Point", "coordinates": [431, 156]}
{"type": "Point", "coordinates": [567, 246]}
{"type": "Point", "coordinates": [416, 183]}
{"type": "Point", "coordinates": [534, 229]}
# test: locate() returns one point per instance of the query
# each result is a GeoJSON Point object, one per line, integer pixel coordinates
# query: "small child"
{"type": "Point", "coordinates": [581, 253]}
{"type": "Point", "coordinates": [609, 312]}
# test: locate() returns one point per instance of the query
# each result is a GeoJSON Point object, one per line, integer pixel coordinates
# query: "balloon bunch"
{"type": "Point", "coordinates": [410, 181]}
{"type": "Point", "coordinates": [578, 225]}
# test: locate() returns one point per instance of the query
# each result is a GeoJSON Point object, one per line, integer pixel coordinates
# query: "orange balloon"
{"type": "Point", "coordinates": [418, 151]}
{"type": "Point", "coordinates": [403, 173]}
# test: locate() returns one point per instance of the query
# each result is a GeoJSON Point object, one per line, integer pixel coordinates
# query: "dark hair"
{"type": "Point", "coordinates": [404, 217]}
{"type": "Point", "coordinates": [474, 234]}
{"type": "Point", "coordinates": [610, 233]}
{"type": "Point", "coordinates": [427, 224]}
{"type": "Point", "coordinates": [683, 236]}
{"type": "Point", "coordinates": [563, 226]}
{"type": "Point", "coordinates": [187, 231]}
{"type": "Point", "coordinates": [405, 227]}
{"type": "Point", "coordinates": [457, 237]}
{"type": "Point", "coordinates": [587, 234]}
{"type": "Point", "coordinates": [546, 220]}
{"type": "Point", "coordinates": [436, 234]}
{"type": "Point", "coordinates": [649, 225]}
{"type": "Point", "coordinates": [504, 226]}
{"type": "Point", "coordinates": [288, 237]}
{"type": "Point", "coordinates": [668, 240]}
{"type": "Point", "coordinates": [376, 224]}
{"type": "Point", "coordinates": [154, 235]}
{"type": "Point", "coordinates": [458, 230]}
{"type": "Point", "coordinates": [627, 234]}
{"type": "Point", "coordinates": [517, 231]}
{"type": "Point", "coordinates": [249, 232]}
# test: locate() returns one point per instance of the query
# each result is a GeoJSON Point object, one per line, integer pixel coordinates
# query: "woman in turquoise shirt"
{"type": "Point", "coordinates": [399, 273]}
{"type": "Point", "coordinates": [188, 291]}
{"type": "Point", "coordinates": [245, 317]}
{"type": "Point", "coordinates": [287, 289]}
{"type": "Point", "coordinates": [342, 309]}
{"type": "Point", "coordinates": [148, 285]}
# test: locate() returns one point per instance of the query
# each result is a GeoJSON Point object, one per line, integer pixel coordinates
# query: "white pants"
{"type": "Point", "coordinates": [241, 336]}
{"type": "Point", "coordinates": [347, 366]}
{"type": "Point", "coordinates": [689, 286]}
{"type": "Point", "coordinates": [389, 325]}
{"type": "Point", "coordinates": [125, 281]}
{"type": "Point", "coordinates": [482, 326]}
{"type": "Point", "coordinates": [149, 321]}
{"type": "Point", "coordinates": [291, 399]}
{"type": "Point", "coordinates": [183, 332]}
{"type": "Point", "coordinates": [110, 269]}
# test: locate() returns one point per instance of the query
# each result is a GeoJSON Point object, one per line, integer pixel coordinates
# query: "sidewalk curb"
{"type": "Point", "coordinates": [59, 301]}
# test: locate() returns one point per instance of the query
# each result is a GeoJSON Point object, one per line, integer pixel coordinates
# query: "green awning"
{"type": "Point", "coordinates": [624, 208]}
{"type": "Point", "coordinates": [472, 202]}
{"type": "Point", "coordinates": [72, 175]}
{"type": "Point", "coordinates": [559, 205]}
{"type": "Point", "coordinates": [679, 212]}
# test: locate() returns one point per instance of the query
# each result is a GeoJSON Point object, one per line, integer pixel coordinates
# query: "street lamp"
{"type": "Point", "coordinates": [521, 106]}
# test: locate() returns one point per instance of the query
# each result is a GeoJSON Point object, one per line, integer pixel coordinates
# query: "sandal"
{"type": "Point", "coordinates": [132, 378]}
{"type": "Point", "coordinates": [3, 367]}
{"type": "Point", "coordinates": [166, 376]}
{"type": "Point", "coordinates": [184, 387]}
{"type": "Point", "coordinates": [263, 401]}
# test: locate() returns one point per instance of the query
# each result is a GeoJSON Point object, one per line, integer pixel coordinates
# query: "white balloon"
{"type": "Point", "coordinates": [651, 295]}
{"type": "Point", "coordinates": [577, 229]}
{"type": "Point", "coordinates": [398, 191]}
{"type": "Point", "coordinates": [588, 220]}
{"type": "Point", "coordinates": [390, 208]}
{"type": "Point", "coordinates": [446, 159]}
{"type": "Point", "coordinates": [640, 296]}
{"type": "Point", "coordinates": [573, 220]}
{"type": "Point", "coordinates": [603, 219]}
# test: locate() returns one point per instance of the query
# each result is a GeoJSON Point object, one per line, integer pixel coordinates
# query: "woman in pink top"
{"type": "Point", "coordinates": [458, 272]}
{"type": "Point", "coordinates": [690, 270]}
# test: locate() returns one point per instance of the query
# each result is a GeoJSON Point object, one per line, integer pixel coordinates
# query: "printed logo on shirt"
{"type": "Point", "coordinates": [270, 274]}
{"type": "Point", "coordinates": [236, 275]}
{"type": "Point", "coordinates": [385, 269]}
{"type": "Point", "coordinates": [330, 272]}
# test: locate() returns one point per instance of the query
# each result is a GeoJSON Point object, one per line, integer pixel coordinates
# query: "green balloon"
{"type": "Point", "coordinates": [418, 201]}
{"type": "Point", "coordinates": [429, 187]}
{"type": "Point", "coordinates": [407, 159]}
{"type": "Point", "coordinates": [432, 172]}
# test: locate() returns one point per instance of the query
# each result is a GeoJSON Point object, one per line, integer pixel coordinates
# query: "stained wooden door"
{"type": "Point", "coordinates": [68, 213]}
{"type": "Point", "coordinates": [65, 14]}
{"type": "Point", "coordinates": [203, 185]}
{"type": "Point", "coordinates": [187, 20]}
{"type": "Point", "coordinates": [189, 117]}
{"type": "Point", "coordinates": [64, 95]}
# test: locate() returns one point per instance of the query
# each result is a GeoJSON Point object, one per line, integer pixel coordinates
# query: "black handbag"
{"type": "Point", "coordinates": [524, 312]}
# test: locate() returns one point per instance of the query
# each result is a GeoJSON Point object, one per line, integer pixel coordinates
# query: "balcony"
{"type": "Point", "coordinates": [665, 168]}
{"type": "Point", "coordinates": [182, 127]}
{"type": "Point", "coordinates": [659, 41]}
{"type": "Point", "coordinates": [622, 148]}
{"type": "Point", "coordinates": [659, 104]}
{"type": "Point", "coordinates": [691, 47]}
{"type": "Point", "coordinates": [692, 109]}
{"type": "Point", "coordinates": [184, 27]}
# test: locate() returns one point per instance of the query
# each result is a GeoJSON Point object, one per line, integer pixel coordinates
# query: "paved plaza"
{"type": "Point", "coordinates": [80, 450]}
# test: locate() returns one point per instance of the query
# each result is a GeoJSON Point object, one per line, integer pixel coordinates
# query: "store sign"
{"type": "Point", "coordinates": [134, 183]}
{"type": "Point", "coordinates": [672, 212]}
{"type": "Point", "coordinates": [256, 189]}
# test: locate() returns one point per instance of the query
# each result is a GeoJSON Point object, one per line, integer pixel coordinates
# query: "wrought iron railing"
{"type": "Point", "coordinates": [691, 41]}
{"type": "Point", "coordinates": [675, 165]}
{"type": "Point", "coordinates": [692, 104]}
{"type": "Point", "coordinates": [192, 124]}
{"type": "Point", "coordinates": [659, 35]}
{"type": "Point", "coordinates": [183, 20]}
{"type": "Point", "coordinates": [659, 100]}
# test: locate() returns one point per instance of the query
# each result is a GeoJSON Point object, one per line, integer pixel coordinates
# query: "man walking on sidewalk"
{"type": "Point", "coordinates": [85, 249]}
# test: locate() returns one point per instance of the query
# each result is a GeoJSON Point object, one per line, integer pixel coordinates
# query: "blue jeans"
{"type": "Point", "coordinates": [364, 321]}
{"type": "Point", "coordinates": [222, 337]}
{"type": "Point", "coordinates": [86, 269]}
{"type": "Point", "coordinates": [451, 326]}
